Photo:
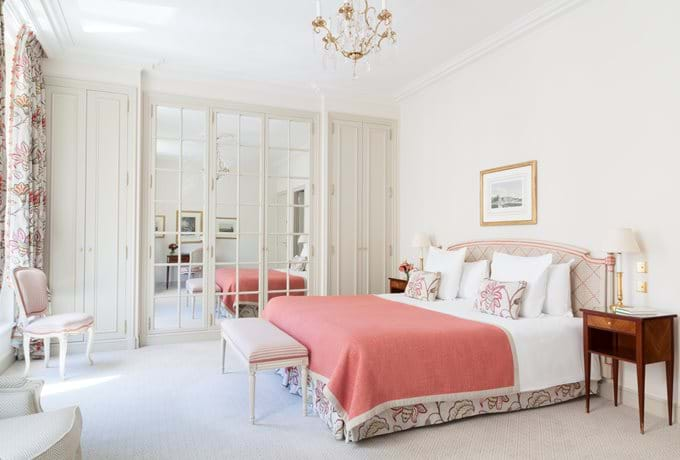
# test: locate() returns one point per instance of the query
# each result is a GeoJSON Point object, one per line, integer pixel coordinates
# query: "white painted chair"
{"type": "Point", "coordinates": [30, 285]}
{"type": "Point", "coordinates": [193, 287]}
{"type": "Point", "coordinates": [264, 346]}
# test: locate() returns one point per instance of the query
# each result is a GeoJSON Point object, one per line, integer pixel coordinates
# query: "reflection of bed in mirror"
{"type": "Point", "coordinates": [281, 282]}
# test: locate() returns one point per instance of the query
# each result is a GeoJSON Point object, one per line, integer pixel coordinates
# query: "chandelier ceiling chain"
{"type": "Point", "coordinates": [355, 32]}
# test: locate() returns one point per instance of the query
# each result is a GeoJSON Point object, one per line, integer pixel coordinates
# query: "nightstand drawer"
{"type": "Point", "coordinates": [612, 324]}
{"type": "Point", "coordinates": [397, 285]}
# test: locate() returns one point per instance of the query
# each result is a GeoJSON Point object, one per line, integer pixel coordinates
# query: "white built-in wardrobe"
{"type": "Point", "coordinates": [362, 205]}
{"type": "Point", "coordinates": [91, 138]}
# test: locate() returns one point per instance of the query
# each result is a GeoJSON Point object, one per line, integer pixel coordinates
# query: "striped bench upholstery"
{"type": "Point", "coordinates": [264, 346]}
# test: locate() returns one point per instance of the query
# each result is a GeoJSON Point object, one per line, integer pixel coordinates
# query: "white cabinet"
{"type": "Point", "coordinates": [90, 207]}
{"type": "Point", "coordinates": [362, 209]}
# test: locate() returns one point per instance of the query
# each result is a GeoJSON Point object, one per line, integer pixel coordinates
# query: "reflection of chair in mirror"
{"type": "Point", "coordinates": [194, 286]}
{"type": "Point", "coordinates": [195, 266]}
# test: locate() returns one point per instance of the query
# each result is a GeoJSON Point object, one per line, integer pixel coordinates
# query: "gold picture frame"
{"type": "Point", "coordinates": [222, 231]}
{"type": "Point", "coordinates": [504, 198]}
{"type": "Point", "coordinates": [190, 223]}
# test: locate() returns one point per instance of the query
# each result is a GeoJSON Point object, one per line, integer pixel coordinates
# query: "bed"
{"type": "Point", "coordinates": [248, 282]}
{"type": "Point", "coordinates": [395, 363]}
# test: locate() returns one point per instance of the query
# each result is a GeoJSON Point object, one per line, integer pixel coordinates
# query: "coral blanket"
{"type": "Point", "coordinates": [376, 353]}
{"type": "Point", "coordinates": [249, 281]}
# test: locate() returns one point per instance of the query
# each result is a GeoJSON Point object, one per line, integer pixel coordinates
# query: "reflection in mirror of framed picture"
{"type": "Point", "coordinates": [159, 226]}
{"type": "Point", "coordinates": [226, 227]}
{"type": "Point", "coordinates": [190, 224]}
{"type": "Point", "coordinates": [508, 195]}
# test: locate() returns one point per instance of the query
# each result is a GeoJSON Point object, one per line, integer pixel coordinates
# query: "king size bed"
{"type": "Point", "coordinates": [386, 363]}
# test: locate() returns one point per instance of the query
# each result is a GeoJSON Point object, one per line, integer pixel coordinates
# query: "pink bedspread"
{"type": "Point", "coordinates": [225, 278]}
{"type": "Point", "coordinates": [377, 353]}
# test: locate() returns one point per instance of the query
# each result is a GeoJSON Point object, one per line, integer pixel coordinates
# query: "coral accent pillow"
{"type": "Point", "coordinates": [423, 285]}
{"type": "Point", "coordinates": [501, 298]}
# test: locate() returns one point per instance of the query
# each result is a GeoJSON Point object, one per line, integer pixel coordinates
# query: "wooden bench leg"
{"type": "Point", "coordinates": [304, 390]}
{"type": "Point", "coordinates": [252, 396]}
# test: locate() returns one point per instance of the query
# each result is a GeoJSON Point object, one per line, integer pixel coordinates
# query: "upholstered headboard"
{"type": "Point", "coordinates": [591, 278]}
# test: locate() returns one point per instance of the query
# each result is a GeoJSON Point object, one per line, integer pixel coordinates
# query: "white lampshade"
{"type": "Point", "coordinates": [303, 239]}
{"type": "Point", "coordinates": [621, 240]}
{"type": "Point", "coordinates": [420, 240]}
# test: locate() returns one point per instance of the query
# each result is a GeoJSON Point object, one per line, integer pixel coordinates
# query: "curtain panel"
{"type": "Point", "coordinates": [3, 147]}
{"type": "Point", "coordinates": [26, 199]}
{"type": "Point", "coordinates": [26, 208]}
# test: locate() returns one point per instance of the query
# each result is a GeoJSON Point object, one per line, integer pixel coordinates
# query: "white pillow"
{"type": "Point", "coordinates": [473, 275]}
{"type": "Point", "coordinates": [558, 290]}
{"type": "Point", "coordinates": [533, 270]}
{"type": "Point", "coordinates": [450, 265]}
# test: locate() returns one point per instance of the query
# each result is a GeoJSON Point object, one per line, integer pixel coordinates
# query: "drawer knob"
{"type": "Point", "coordinates": [609, 323]}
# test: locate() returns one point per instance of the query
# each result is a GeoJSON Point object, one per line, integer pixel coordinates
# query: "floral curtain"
{"type": "Point", "coordinates": [26, 208]}
{"type": "Point", "coordinates": [3, 148]}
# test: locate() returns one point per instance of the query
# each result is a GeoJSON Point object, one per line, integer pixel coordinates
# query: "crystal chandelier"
{"type": "Point", "coordinates": [355, 31]}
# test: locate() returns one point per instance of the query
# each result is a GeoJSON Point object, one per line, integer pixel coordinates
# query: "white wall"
{"type": "Point", "coordinates": [594, 96]}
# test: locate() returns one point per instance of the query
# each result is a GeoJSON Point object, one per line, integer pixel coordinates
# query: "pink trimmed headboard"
{"type": "Point", "coordinates": [590, 276]}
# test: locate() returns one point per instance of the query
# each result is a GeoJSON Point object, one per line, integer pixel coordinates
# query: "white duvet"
{"type": "Point", "coordinates": [549, 349]}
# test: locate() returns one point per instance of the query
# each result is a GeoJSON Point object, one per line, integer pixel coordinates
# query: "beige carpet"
{"type": "Point", "coordinates": [171, 402]}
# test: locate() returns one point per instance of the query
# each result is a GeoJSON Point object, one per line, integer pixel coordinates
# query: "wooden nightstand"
{"type": "Point", "coordinates": [397, 285]}
{"type": "Point", "coordinates": [637, 339]}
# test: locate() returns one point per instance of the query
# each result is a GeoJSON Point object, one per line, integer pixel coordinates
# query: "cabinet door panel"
{"type": "Point", "coordinates": [66, 146]}
{"type": "Point", "coordinates": [106, 212]}
{"type": "Point", "coordinates": [345, 207]}
{"type": "Point", "coordinates": [377, 152]}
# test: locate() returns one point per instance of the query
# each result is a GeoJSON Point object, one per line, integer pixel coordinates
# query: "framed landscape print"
{"type": "Point", "coordinates": [508, 195]}
{"type": "Point", "coordinates": [225, 227]}
{"type": "Point", "coordinates": [190, 224]}
{"type": "Point", "coordinates": [159, 226]}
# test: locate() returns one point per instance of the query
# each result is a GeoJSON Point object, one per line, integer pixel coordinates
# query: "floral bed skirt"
{"type": "Point", "coordinates": [431, 413]}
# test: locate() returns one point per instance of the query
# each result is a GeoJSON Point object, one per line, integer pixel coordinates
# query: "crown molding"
{"type": "Point", "coordinates": [516, 29]}
{"type": "Point", "coordinates": [46, 19]}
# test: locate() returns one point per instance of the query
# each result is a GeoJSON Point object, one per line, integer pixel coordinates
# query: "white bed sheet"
{"type": "Point", "coordinates": [549, 349]}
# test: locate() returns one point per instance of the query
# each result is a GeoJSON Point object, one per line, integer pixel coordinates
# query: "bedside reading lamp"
{"type": "Point", "coordinates": [619, 241]}
{"type": "Point", "coordinates": [421, 241]}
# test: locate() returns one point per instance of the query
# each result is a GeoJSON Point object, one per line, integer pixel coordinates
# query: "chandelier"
{"type": "Point", "coordinates": [355, 31]}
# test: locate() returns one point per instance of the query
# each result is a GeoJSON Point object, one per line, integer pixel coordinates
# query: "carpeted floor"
{"type": "Point", "coordinates": [172, 402]}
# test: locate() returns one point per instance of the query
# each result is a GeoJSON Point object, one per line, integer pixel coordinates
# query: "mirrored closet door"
{"type": "Point", "coordinates": [179, 138]}
{"type": "Point", "coordinates": [288, 206]}
{"type": "Point", "coordinates": [231, 214]}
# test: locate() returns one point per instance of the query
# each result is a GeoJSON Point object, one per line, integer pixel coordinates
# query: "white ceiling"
{"type": "Point", "coordinates": [270, 40]}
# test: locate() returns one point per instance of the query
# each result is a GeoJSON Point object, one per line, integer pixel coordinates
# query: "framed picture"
{"type": "Point", "coordinates": [159, 226]}
{"type": "Point", "coordinates": [508, 195]}
{"type": "Point", "coordinates": [225, 227]}
{"type": "Point", "coordinates": [190, 224]}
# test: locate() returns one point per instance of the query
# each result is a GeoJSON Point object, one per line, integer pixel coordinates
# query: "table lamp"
{"type": "Point", "coordinates": [619, 241]}
{"type": "Point", "coordinates": [421, 241]}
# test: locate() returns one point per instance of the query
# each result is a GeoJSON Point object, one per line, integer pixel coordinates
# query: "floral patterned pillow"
{"type": "Point", "coordinates": [423, 285]}
{"type": "Point", "coordinates": [500, 298]}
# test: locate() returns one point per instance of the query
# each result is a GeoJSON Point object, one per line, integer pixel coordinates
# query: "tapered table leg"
{"type": "Point", "coordinates": [615, 372]}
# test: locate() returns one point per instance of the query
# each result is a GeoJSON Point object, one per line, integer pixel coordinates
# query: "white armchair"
{"type": "Point", "coordinates": [28, 432]}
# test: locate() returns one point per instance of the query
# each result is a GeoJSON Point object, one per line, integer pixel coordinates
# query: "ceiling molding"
{"type": "Point", "coordinates": [46, 19]}
{"type": "Point", "coordinates": [516, 29]}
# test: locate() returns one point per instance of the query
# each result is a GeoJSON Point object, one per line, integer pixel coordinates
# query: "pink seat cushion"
{"type": "Point", "coordinates": [259, 341]}
{"type": "Point", "coordinates": [67, 322]}
{"type": "Point", "coordinates": [196, 285]}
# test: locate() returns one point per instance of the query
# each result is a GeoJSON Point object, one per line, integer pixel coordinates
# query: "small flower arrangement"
{"type": "Point", "coordinates": [406, 268]}
{"type": "Point", "coordinates": [173, 247]}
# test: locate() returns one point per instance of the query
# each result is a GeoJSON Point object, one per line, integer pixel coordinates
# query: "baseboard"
{"type": "Point", "coordinates": [653, 405]}
{"type": "Point", "coordinates": [180, 337]}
